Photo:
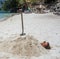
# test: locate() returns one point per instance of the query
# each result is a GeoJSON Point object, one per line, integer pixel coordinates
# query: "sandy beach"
{"type": "Point", "coordinates": [43, 27]}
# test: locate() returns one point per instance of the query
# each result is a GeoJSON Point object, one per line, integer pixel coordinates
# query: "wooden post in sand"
{"type": "Point", "coordinates": [22, 24]}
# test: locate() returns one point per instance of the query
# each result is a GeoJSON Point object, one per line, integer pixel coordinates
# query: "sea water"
{"type": "Point", "coordinates": [5, 15]}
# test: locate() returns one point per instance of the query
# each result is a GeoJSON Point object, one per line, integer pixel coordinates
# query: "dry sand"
{"type": "Point", "coordinates": [23, 46]}
{"type": "Point", "coordinates": [43, 27]}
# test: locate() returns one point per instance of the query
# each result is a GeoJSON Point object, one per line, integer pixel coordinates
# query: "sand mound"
{"type": "Point", "coordinates": [23, 46]}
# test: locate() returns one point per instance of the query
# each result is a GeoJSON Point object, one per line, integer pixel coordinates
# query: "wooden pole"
{"type": "Point", "coordinates": [22, 24]}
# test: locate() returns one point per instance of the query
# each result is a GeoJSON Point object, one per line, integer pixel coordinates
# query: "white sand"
{"type": "Point", "coordinates": [42, 27]}
{"type": "Point", "coordinates": [23, 46]}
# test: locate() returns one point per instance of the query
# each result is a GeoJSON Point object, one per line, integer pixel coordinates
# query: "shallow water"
{"type": "Point", "coordinates": [3, 15]}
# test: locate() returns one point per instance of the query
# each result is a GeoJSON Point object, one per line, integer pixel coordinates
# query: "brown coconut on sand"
{"type": "Point", "coordinates": [23, 46]}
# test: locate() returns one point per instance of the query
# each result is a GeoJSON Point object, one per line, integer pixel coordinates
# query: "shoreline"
{"type": "Point", "coordinates": [7, 17]}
